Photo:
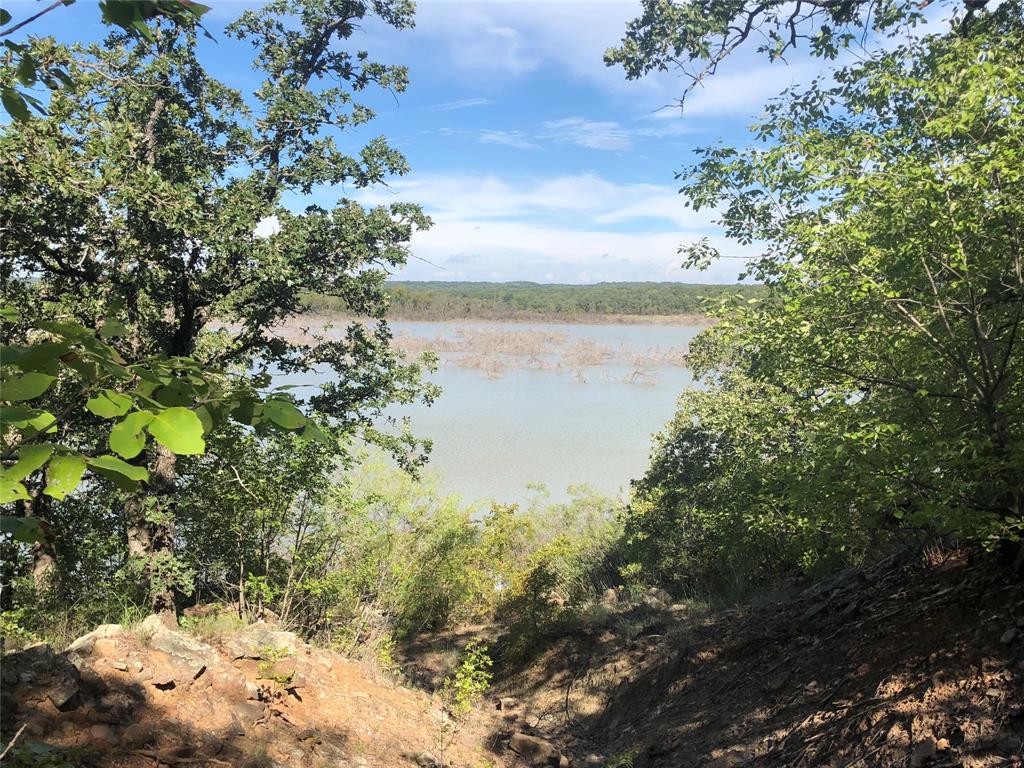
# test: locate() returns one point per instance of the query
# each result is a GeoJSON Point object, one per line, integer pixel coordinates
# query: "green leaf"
{"type": "Point", "coordinates": [30, 458]}
{"type": "Point", "coordinates": [11, 490]}
{"type": "Point", "coordinates": [109, 404]}
{"type": "Point", "coordinates": [42, 357]}
{"type": "Point", "coordinates": [112, 328]}
{"type": "Point", "coordinates": [179, 430]}
{"type": "Point", "coordinates": [314, 432]}
{"type": "Point", "coordinates": [5, 18]}
{"type": "Point", "coordinates": [26, 72]}
{"type": "Point", "coordinates": [17, 414]}
{"type": "Point", "coordinates": [15, 104]}
{"type": "Point", "coordinates": [107, 465]}
{"type": "Point", "coordinates": [63, 475]}
{"type": "Point", "coordinates": [127, 438]}
{"type": "Point", "coordinates": [45, 423]}
{"type": "Point", "coordinates": [284, 414]}
{"type": "Point", "coordinates": [25, 387]}
{"type": "Point", "coordinates": [24, 529]}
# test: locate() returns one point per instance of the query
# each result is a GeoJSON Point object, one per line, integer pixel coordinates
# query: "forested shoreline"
{"type": "Point", "coordinates": [527, 301]}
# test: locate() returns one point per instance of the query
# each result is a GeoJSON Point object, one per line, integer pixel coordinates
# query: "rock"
{"type": "Point", "coordinates": [103, 733]}
{"type": "Point", "coordinates": [507, 702]}
{"type": "Point", "coordinates": [163, 678]}
{"type": "Point", "coordinates": [139, 735]}
{"type": "Point", "coordinates": [942, 745]}
{"type": "Point", "coordinates": [85, 644]}
{"type": "Point", "coordinates": [610, 597]}
{"type": "Point", "coordinates": [230, 683]}
{"type": "Point", "coordinates": [564, 762]}
{"type": "Point", "coordinates": [924, 752]}
{"type": "Point", "coordinates": [64, 687]}
{"type": "Point", "coordinates": [594, 760]}
{"type": "Point", "coordinates": [1008, 636]}
{"type": "Point", "coordinates": [259, 636]}
{"type": "Point", "coordinates": [211, 744]}
{"type": "Point", "coordinates": [309, 734]}
{"type": "Point", "coordinates": [120, 666]}
{"type": "Point", "coordinates": [179, 645]}
{"type": "Point", "coordinates": [656, 597]}
{"type": "Point", "coordinates": [534, 750]}
{"type": "Point", "coordinates": [235, 728]}
{"type": "Point", "coordinates": [423, 759]}
{"type": "Point", "coordinates": [247, 712]}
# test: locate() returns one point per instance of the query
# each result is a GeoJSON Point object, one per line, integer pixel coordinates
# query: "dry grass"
{"type": "Point", "coordinates": [495, 351]}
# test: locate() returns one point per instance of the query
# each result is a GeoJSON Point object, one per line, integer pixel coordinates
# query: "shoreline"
{"type": "Point", "coordinates": [691, 321]}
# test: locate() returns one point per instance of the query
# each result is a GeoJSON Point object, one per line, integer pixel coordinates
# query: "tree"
{"type": "Point", "coordinates": [139, 197]}
{"type": "Point", "coordinates": [695, 37]}
{"type": "Point", "coordinates": [129, 15]}
{"type": "Point", "coordinates": [882, 375]}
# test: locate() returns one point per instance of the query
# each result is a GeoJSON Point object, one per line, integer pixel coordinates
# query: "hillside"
{"type": "Point", "coordinates": [916, 661]}
{"type": "Point", "coordinates": [152, 695]}
{"type": "Point", "coordinates": [542, 301]}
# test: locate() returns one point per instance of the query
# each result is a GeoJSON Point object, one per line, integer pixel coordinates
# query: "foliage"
{"type": "Point", "coordinates": [150, 203]}
{"type": "Point", "coordinates": [130, 15]}
{"type": "Point", "coordinates": [877, 389]}
{"type": "Point", "coordinates": [696, 37]}
{"type": "Point", "coordinates": [171, 401]}
{"type": "Point", "coordinates": [522, 300]}
{"type": "Point", "coordinates": [460, 692]}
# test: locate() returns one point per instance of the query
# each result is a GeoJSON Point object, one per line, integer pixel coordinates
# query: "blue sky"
{"type": "Point", "coordinates": [535, 160]}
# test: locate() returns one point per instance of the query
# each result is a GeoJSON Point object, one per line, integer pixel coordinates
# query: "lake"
{"type": "Point", "coordinates": [545, 403]}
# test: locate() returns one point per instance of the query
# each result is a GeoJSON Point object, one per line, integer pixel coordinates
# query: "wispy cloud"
{"type": "Point", "coordinates": [603, 135]}
{"type": "Point", "coordinates": [565, 226]}
{"type": "Point", "coordinates": [448, 106]}
{"type": "Point", "coordinates": [517, 139]}
{"type": "Point", "coordinates": [591, 134]}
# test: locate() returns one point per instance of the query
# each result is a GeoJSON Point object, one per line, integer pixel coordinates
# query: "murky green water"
{"type": "Point", "coordinates": [545, 403]}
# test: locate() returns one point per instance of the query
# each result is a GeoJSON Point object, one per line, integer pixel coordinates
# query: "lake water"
{"type": "Point", "coordinates": [540, 403]}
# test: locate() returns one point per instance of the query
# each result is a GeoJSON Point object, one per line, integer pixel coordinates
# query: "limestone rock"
{"type": "Point", "coordinates": [86, 643]}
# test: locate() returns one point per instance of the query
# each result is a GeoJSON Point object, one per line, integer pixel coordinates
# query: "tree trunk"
{"type": "Point", "coordinates": [151, 535]}
{"type": "Point", "coordinates": [44, 554]}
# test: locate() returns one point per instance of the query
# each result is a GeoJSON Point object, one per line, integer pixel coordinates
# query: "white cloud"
{"type": "Point", "coordinates": [517, 139]}
{"type": "Point", "coordinates": [448, 106]}
{"type": "Point", "coordinates": [588, 133]}
{"type": "Point", "coordinates": [556, 227]}
{"type": "Point", "coordinates": [577, 198]}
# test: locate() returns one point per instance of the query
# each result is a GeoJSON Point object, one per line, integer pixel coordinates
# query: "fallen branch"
{"type": "Point", "coordinates": [10, 744]}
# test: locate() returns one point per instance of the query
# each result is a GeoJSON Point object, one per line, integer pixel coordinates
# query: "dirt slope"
{"type": "Point", "coordinates": [914, 662]}
{"type": "Point", "coordinates": [156, 696]}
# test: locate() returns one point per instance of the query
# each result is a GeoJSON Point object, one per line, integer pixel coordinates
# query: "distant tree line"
{"type": "Point", "coordinates": [438, 300]}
